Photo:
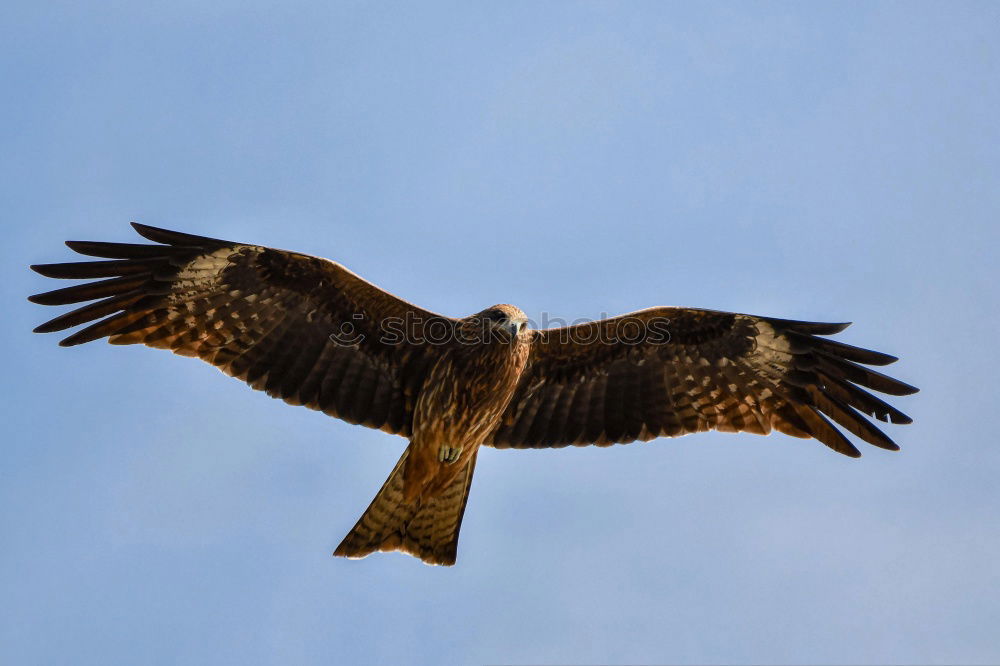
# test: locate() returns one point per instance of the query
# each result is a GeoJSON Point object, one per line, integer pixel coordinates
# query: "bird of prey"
{"type": "Point", "coordinates": [311, 332]}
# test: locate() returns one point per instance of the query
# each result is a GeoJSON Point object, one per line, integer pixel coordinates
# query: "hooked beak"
{"type": "Point", "coordinates": [513, 327]}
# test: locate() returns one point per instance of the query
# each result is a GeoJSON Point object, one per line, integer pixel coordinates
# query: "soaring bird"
{"type": "Point", "coordinates": [311, 332]}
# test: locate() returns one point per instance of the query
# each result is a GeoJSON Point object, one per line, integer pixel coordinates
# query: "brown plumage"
{"type": "Point", "coordinates": [312, 333]}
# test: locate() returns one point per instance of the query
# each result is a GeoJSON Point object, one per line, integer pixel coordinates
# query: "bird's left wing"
{"type": "Point", "coordinates": [301, 328]}
{"type": "Point", "coordinates": [672, 371]}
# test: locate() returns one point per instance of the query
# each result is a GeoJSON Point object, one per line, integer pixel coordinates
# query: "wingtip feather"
{"type": "Point", "coordinates": [168, 237]}
{"type": "Point", "coordinates": [148, 231]}
{"type": "Point", "coordinates": [903, 388]}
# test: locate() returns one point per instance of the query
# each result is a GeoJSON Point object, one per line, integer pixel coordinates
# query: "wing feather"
{"type": "Point", "coordinates": [262, 315]}
{"type": "Point", "coordinates": [708, 370]}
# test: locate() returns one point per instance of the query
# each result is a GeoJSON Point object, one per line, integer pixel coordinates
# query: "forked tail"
{"type": "Point", "coordinates": [427, 529]}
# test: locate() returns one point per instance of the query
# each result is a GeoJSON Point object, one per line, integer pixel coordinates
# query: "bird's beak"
{"type": "Point", "coordinates": [512, 327]}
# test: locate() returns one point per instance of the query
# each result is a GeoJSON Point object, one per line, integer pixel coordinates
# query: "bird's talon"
{"type": "Point", "coordinates": [449, 454]}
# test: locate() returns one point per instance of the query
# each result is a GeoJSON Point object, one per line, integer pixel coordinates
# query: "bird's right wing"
{"type": "Point", "coordinates": [301, 328]}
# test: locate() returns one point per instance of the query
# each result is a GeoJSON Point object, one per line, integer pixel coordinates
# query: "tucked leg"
{"type": "Point", "coordinates": [449, 454]}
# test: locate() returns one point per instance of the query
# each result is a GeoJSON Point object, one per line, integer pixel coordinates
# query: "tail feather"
{"type": "Point", "coordinates": [427, 529]}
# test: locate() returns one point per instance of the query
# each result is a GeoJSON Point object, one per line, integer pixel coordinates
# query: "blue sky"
{"type": "Point", "coordinates": [817, 161]}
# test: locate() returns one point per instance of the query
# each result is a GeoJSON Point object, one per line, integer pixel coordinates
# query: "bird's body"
{"type": "Point", "coordinates": [312, 333]}
{"type": "Point", "coordinates": [461, 404]}
{"type": "Point", "coordinates": [459, 407]}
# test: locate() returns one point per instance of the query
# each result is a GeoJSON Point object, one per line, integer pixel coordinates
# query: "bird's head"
{"type": "Point", "coordinates": [502, 322]}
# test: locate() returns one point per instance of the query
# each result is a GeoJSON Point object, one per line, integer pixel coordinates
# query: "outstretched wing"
{"type": "Point", "coordinates": [665, 372]}
{"type": "Point", "coordinates": [301, 328]}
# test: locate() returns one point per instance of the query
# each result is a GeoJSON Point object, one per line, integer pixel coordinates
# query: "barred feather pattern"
{"type": "Point", "coordinates": [262, 315]}
{"type": "Point", "coordinates": [716, 371]}
{"type": "Point", "coordinates": [427, 529]}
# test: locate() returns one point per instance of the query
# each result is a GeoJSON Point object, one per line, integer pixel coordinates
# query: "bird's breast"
{"type": "Point", "coordinates": [465, 394]}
